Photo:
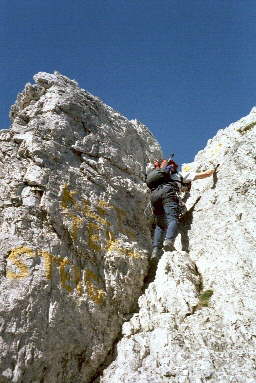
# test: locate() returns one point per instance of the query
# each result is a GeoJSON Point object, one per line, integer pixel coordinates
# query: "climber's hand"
{"type": "Point", "coordinates": [216, 169]}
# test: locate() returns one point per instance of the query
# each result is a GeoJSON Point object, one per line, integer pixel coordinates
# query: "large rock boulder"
{"type": "Point", "coordinates": [197, 320]}
{"type": "Point", "coordinates": [74, 238]}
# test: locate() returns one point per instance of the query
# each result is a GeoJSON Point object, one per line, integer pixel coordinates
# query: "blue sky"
{"type": "Point", "coordinates": [185, 68]}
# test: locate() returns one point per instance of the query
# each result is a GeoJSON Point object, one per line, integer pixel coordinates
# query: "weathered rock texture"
{"type": "Point", "coordinates": [197, 320]}
{"type": "Point", "coordinates": [74, 239]}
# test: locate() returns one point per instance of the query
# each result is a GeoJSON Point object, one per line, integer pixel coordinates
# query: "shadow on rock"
{"type": "Point", "coordinates": [185, 225]}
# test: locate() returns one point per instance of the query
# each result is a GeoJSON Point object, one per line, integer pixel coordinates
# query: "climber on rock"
{"type": "Point", "coordinates": [165, 183]}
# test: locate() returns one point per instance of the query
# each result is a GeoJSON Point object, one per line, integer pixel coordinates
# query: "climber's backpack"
{"type": "Point", "coordinates": [157, 177]}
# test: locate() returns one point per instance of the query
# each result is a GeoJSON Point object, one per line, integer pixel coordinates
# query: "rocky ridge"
{"type": "Point", "coordinates": [75, 243]}
{"type": "Point", "coordinates": [74, 239]}
{"type": "Point", "coordinates": [196, 320]}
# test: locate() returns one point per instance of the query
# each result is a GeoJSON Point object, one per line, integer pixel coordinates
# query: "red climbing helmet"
{"type": "Point", "coordinates": [172, 163]}
{"type": "Point", "coordinates": [164, 163]}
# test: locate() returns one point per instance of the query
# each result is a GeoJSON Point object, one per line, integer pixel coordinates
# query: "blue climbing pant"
{"type": "Point", "coordinates": [166, 211]}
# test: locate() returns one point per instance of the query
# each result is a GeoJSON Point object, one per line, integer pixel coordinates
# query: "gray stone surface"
{"type": "Point", "coordinates": [197, 320]}
{"type": "Point", "coordinates": [75, 243]}
{"type": "Point", "coordinates": [74, 239]}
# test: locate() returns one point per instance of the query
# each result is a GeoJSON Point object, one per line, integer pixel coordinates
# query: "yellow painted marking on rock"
{"type": "Point", "coordinates": [66, 278]}
{"type": "Point", "coordinates": [97, 295]}
{"type": "Point", "coordinates": [99, 218]}
{"type": "Point", "coordinates": [103, 204]}
{"type": "Point", "coordinates": [186, 168]}
{"type": "Point", "coordinates": [64, 275]}
{"type": "Point", "coordinates": [68, 199]}
{"type": "Point", "coordinates": [93, 236]}
{"type": "Point", "coordinates": [86, 210]}
{"type": "Point", "coordinates": [76, 224]}
{"type": "Point", "coordinates": [101, 210]}
{"type": "Point", "coordinates": [48, 258]}
{"type": "Point", "coordinates": [13, 257]}
{"type": "Point", "coordinates": [77, 279]}
{"type": "Point", "coordinates": [114, 245]}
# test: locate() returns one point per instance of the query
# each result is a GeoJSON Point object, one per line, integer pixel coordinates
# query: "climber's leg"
{"type": "Point", "coordinates": [160, 219]}
{"type": "Point", "coordinates": [160, 231]}
{"type": "Point", "coordinates": [171, 209]}
{"type": "Point", "coordinates": [171, 212]}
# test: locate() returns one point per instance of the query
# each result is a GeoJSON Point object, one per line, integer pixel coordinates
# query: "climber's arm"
{"type": "Point", "coordinates": [208, 173]}
{"type": "Point", "coordinates": [205, 174]}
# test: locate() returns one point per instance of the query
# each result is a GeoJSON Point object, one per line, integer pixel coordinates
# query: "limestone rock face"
{"type": "Point", "coordinates": [74, 239]}
{"type": "Point", "coordinates": [197, 320]}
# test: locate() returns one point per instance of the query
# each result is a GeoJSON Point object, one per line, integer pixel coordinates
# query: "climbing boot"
{"type": "Point", "coordinates": [168, 245]}
{"type": "Point", "coordinates": [156, 253]}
